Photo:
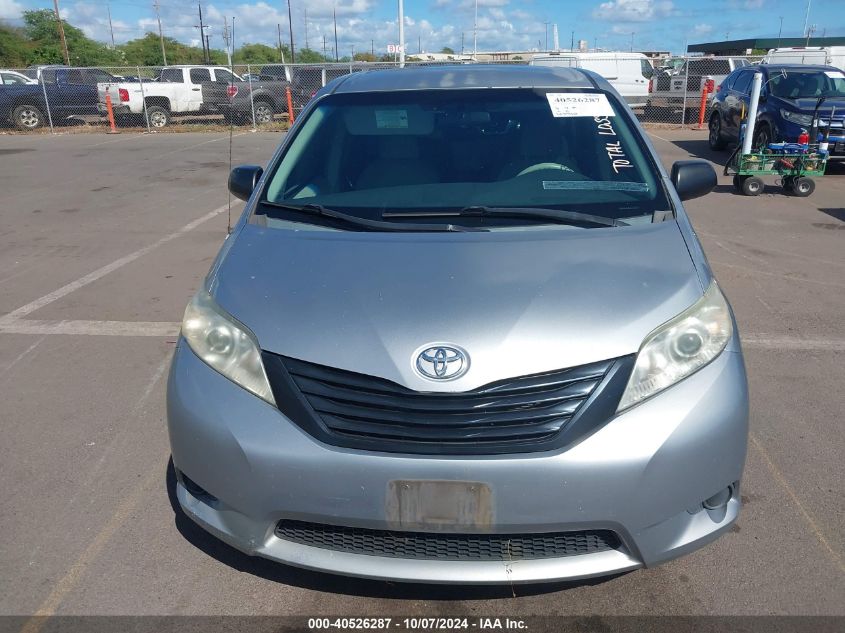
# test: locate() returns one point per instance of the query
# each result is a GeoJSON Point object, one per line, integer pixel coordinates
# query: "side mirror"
{"type": "Point", "coordinates": [243, 179]}
{"type": "Point", "coordinates": [693, 178]}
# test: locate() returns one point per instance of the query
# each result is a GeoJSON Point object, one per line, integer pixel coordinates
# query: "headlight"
{"type": "Point", "coordinates": [680, 347]}
{"type": "Point", "coordinates": [225, 345]}
{"type": "Point", "coordinates": [798, 119]}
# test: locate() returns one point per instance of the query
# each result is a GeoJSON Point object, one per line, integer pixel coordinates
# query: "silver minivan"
{"type": "Point", "coordinates": [463, 332]}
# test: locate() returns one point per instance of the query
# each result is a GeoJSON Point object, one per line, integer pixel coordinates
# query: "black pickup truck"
{"type": "Point", "coordinates": [62, 93]}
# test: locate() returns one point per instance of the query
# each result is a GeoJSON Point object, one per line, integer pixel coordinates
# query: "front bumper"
{"type": "Point", "coordinates": [643, 475]}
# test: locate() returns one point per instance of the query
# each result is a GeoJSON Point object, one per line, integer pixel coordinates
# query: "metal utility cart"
{"type": "Point", "coordinates": [794, 164]}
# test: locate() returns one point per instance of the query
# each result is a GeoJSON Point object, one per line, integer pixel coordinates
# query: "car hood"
{"type": "Point", "coordinates": [519, 302]}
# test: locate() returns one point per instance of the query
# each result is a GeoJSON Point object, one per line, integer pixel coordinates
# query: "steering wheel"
{"type": "Point", "coordinates": [544, 166]}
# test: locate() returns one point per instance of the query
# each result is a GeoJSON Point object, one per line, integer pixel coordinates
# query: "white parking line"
{"type": "Point", "coordinates": [90, 328]}
{"type": "Point", "coordinates": [47, 299]}
{"type": "Point", "coordinates": [763, 341]}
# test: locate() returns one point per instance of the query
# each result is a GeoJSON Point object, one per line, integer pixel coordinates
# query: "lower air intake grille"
{"type": "Point", "coordinates": [468, 547]}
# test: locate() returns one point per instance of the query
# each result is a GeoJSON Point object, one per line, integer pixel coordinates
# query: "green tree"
{"type": "Point", "coordinates": [259, 54]}
{"type": "Point", "coordinates": [365, 57]}
{"type": "Point", "coordinates": [42, 30]}
{"type": "Point", "coordinates": [309, 56]}
{"type": "Point", "coordinates": [15, 48]}
{"type": "Point", "coordinates": [447, 51]}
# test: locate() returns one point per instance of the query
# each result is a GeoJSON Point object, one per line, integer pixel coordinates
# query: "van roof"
{"type": "Point", "coordinates": [469, 76]}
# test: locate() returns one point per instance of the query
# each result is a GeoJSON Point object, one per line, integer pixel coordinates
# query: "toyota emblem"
{"type": "Point", "coordinates": [442, 362]}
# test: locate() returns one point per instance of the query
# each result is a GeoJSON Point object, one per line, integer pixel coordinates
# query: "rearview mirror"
{"type": "Point", "coordinates": [243, 179]}
{"type": "Point", "coordinates": [693, 178]}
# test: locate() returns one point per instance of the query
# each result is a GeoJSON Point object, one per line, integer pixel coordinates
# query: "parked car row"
{"type": "Point", "coordinates": [70, 92]}
{"type": "Point", "coordinates": [191, 90]}
{"type": "Point", "coordinates": [30, 99]}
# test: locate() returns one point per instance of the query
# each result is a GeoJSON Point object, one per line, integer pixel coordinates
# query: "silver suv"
{"type": "Point", "coordinates": [463, 332]}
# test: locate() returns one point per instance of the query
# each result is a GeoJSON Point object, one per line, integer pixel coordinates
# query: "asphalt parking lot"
{"type": "Point", "coordinates": [104, 238]}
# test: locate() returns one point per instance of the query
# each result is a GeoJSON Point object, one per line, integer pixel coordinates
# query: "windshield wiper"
{"type": "Point", "coordinates": [555, 215]}
{"type": "Point", "coordinates": [364, 223]}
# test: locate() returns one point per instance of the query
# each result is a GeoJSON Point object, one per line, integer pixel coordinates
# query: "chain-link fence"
{"type": "Point", "coordinates": [676, 91]}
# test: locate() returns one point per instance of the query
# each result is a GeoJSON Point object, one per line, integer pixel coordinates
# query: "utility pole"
{"type": "Point", "coordinates": [810, 33]}
{"type": "Point", "coordinates": [572, 42]}
{"type": "Point", "coordinates": [160, 36]}
{"type": "Point", "coordinates": [807, 18]}
{"type": "Point", "coordinates": [419, 43]}
{"type": "Point", "coordinates": [401, 34]}
{"type": "Point", "coordinates": [780, 30]}
{"type": "Point", "coordinates": [226, 39]}
{"type": "Point", "coordinates": [111, 28]}
{"type": "Point", "coordinates": [202, 28]}
{"type": "Point", "coordinates": [324, 45]}
{"type": "Point", "coordinates": [475, 33]}
{"type": "Point", "coordinates": [632, 41]}
{"type": "Point", "coordinates": [208, 49]}
{"type": "Point", "coordinates": [61, 32]}
{"type": "Point", "coordinates": [373, 48]}
{"type": "Point", "coordinates": [279, 30]}
{"type": "Point", "coordinates": [462, 42]}
{"type": "Point", "coordinates": [290, 28]}
{"type": "Point", "coordinates": [334, 16]}
{"type": "Point", "coordinates": [306, 27]}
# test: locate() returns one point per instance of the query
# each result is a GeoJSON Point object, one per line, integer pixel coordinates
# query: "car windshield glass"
{"type": "Point", "coordinates": [369, 154]}
{"type": "Point", "coordinates": [808, 84]}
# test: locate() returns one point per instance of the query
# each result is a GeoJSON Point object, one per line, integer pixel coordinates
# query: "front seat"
{"type": "Point", "coordinates": [397, 163]}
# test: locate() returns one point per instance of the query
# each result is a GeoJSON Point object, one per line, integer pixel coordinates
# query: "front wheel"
{"type": "Point", "coordinates": [752, 186]}
{"type": "Point", "coordinates": [762, 137]}
{"type": "Point", "coordinates": [714, 137]}
{"type": "Point", "coordinates": [803, 187]}
{"type": "Point", "coordinates": [27, 117]}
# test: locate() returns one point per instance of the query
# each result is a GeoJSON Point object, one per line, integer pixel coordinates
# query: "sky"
{"type": "Point", "coordinates": [433, 24]}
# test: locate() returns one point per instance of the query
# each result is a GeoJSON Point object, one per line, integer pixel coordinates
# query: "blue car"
{"type": "Point", "coordinates": [788, 101]}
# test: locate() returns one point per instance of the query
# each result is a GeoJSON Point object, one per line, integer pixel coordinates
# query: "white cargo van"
{"type": "Point", "coordinates": [820, 55]}
{"type": "Point", "coordinates": [629, 73]}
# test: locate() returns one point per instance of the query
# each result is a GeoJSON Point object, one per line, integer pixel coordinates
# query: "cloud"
{"type": "Point", "coordinates": [702, 29]}
{"type": "Point", "coordinates": [10, 10]}
{"type": "Point", "coordinates": [633, 10]}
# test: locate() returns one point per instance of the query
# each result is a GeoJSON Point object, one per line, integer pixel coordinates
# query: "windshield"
{"type": "Point", "coordinates": [808, 84]}
{"type": "Point", "coordinates": [446, 150]}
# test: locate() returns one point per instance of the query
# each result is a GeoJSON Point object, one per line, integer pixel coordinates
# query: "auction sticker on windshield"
{"type": "Point", "coordinates": [570, 104]}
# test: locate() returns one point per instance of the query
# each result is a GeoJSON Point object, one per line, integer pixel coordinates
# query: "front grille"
{"type": "Point", "coordinates": [350, 409]}
{"type": "Point", "coordinates": [430, 545]}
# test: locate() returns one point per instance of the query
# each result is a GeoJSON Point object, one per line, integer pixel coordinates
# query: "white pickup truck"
{"type": "Point", "coordinates": [670, 90]}
{"type": "Point", "coordinates": [192, 90]}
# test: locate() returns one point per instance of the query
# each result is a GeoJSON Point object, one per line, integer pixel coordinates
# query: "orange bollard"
{"type": "Point", "coordinates": [703, 106]}
{"type": "Point", "coordinates": [290, 106]}
{"type": "Point", "coordinates": [110, 112]}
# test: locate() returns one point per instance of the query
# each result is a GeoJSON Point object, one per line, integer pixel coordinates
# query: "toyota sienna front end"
{"type": "Point", "coordinates": [463, 332]}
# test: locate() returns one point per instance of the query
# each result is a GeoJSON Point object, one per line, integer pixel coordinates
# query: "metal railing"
{"type": "Point", "coordinates": [268, 96]}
